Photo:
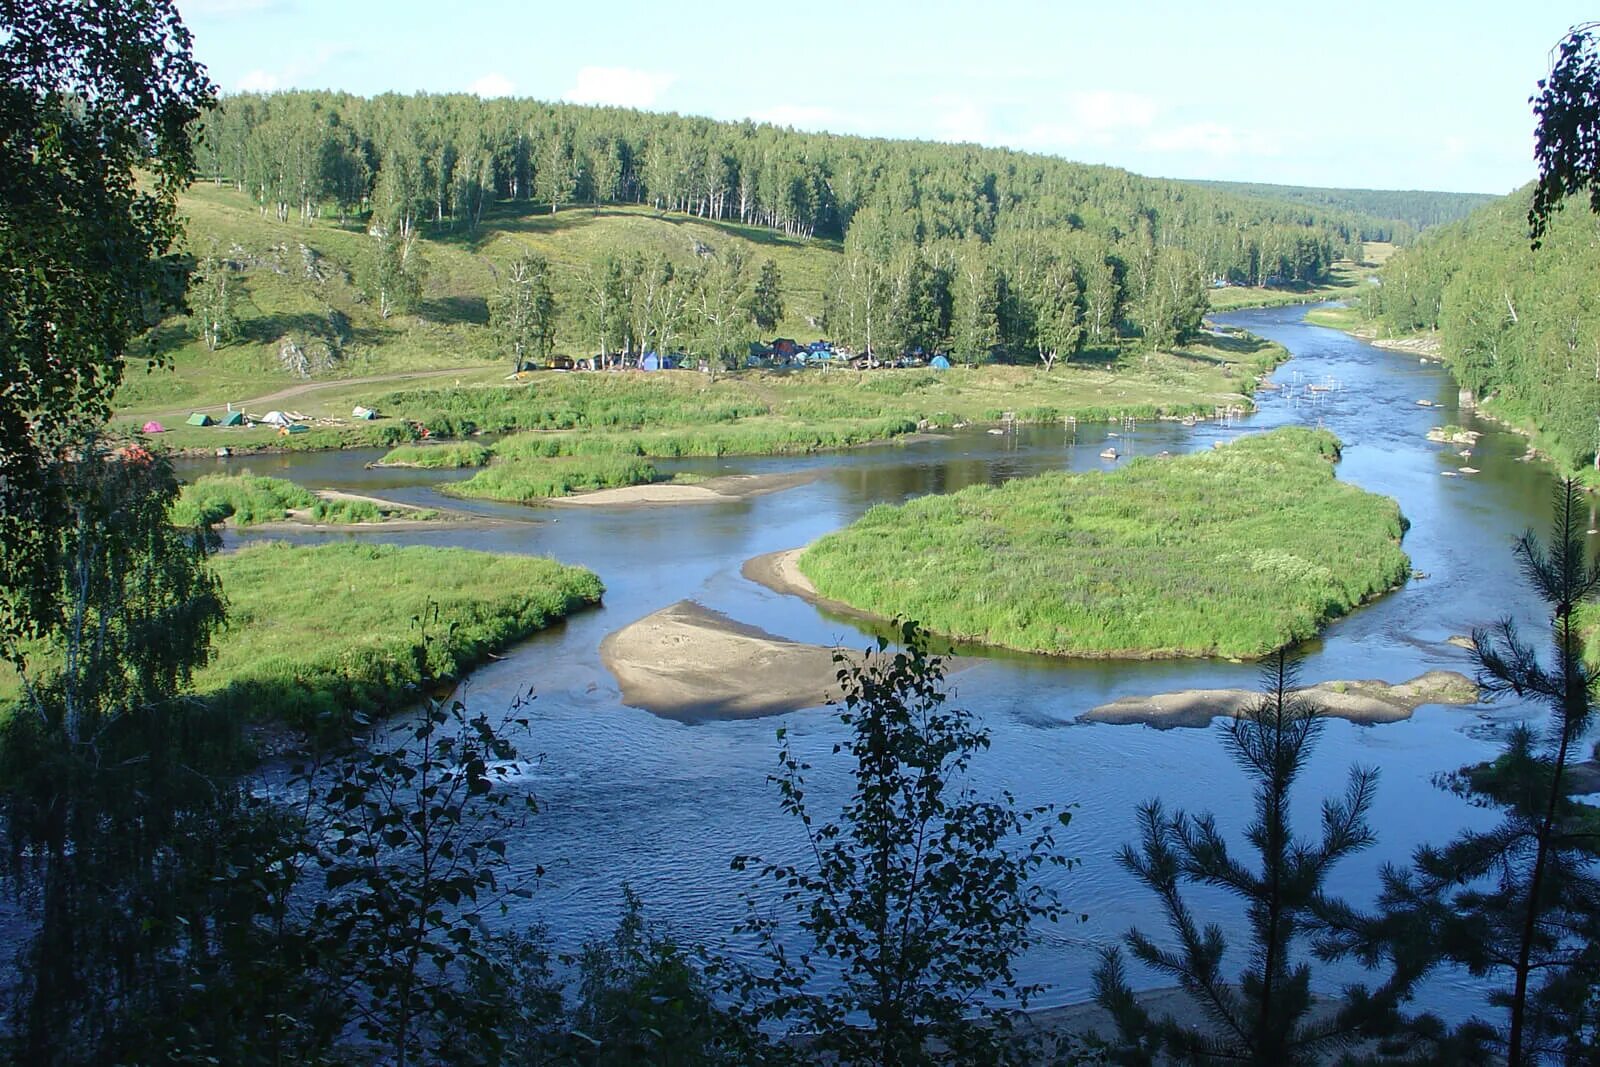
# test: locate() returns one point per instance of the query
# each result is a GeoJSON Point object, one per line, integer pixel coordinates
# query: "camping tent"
{"type": "Point", "coordinates": [154, 427]}
{"type": "Point", "coordinates": [233, 418]}
{"type": "Point", "coordinates": [364, 414]}
{"type": "Point", "coordinates": [200, 418]}
{"type": "Point", "coordinates": [940, 363]}
{"type": "Point", "coordinates": [275, 418]}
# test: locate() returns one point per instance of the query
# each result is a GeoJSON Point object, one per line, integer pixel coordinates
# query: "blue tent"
{"type": "Point", "coordinates": [940, 363]}
{"type": "Point", "coordinates": [651, 361]}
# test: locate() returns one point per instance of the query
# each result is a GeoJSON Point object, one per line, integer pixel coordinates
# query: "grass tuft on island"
{"type": "Point", "coordinates": [328, 629]}
{"type": "Point", "coordinates": [1232, 552]}
{"type": "Point", "coordinates": [249, 499]}
{"type": "Point", "coordinates": [523, 482]}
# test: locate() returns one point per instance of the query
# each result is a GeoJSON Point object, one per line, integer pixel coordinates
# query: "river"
{"type": "Point", "coordinates": [629, 796]}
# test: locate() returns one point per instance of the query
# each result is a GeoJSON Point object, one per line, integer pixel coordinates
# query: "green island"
{"type": "Point", "coordinates": [332, 628]}
{"type": "Point", "coordinates": [1232, 552]}
{"type": "Point", "coordinates": [246, 499]}
{"type": "Point", "coordinates": [326, 630]}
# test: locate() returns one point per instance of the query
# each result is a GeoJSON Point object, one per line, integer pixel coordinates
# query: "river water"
{"type": "Point", "coordinates": [628, 796]}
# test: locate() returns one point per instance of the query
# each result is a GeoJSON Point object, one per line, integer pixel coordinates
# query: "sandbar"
{"type": "Point", "coordinates": [1367, 701]}
{"type": "Point", "coordinates": [711, 491]}
{"type": "Point", "coordinates": [690, 663]}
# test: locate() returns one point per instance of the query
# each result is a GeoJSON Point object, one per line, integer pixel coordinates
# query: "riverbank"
{"type": "Point", "coordinates": [1142, 562]}
{"type": "Point", "coordinates": [1366, 702]}
{"type": "Point", "coordinates": [764, 411]}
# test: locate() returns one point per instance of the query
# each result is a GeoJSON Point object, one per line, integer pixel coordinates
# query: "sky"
{"type": "Point", "coordinates": [1395, 95]}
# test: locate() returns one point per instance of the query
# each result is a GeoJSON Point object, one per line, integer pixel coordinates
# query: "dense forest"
{"type": "Point", "coordinates": [1519, 328]}
{"type": "Point", "coordinates": [945, 246]}
{"type": "Point", "coordinates": [1394, 215]}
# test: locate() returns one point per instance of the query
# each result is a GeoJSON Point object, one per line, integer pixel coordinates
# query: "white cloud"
{"type": "Point", "coordinates": [1212, 139]}
{"type": "Point", "coordinates": [617, 87]}
{"type": "Point", "coordinates": [1103, 110]}
{"type": "Point", "coordinates": [491, 85]}
{"type": "Point", "coordinates": [963, 123]}
{"type": "Point", "coordinates": [296, 74]}
{"type": "Point", "coordinates": [258, 81]}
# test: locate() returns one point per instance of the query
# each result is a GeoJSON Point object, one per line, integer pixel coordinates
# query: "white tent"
{"type": "Point", "coordinates": [275, 418]}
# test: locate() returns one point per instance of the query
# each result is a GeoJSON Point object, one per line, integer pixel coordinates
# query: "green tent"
{"type": "Point", "coordinates": [200, 418]}
{"type": "Point", "coordinates": [233, 418]}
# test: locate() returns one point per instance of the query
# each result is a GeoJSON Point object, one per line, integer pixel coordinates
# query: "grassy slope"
{"type": "Point", "coordinates": [448, 331]}
{"type": "Point", "coordinates": [1230, 552]}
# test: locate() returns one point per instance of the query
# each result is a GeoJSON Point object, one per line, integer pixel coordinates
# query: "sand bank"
{"type": "Point", "coordinates": [711, 491]}
{"type": "Point", "coordinates": [1359, 701]}
{"type": "Point", "coordinates": [689, 662]}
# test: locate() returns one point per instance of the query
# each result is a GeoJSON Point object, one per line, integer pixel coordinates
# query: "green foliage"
{"type": "Point", "coordinates": [523, 313]}
{"type": "Point", "coordinates": [1567, 133]}
{"type": "Point", "coordinates": [89, 92]}
{"type": "Point", "coordinates": [409, 834]}
{"type": "Point", "coordinates": [1141, 561]}
{"type": "Point", "coordinates": [766, 299]}
{"type": "Point", "coordinates": [1264, 1017]}
{"type": "Point", "coordinates": [921, 894]}
{"type": "Point", "coordinates": [319, 631]}
{"type": "Point", "coordinates": [1381, 214]}
{"type": "Point", "coordinates": [522, 482]}
{"type": "Point", "coordinates": [94, 755]}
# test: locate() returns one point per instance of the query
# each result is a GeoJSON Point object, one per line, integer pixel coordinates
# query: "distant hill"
{"type": "Point", "coordinates": [1414, 209]}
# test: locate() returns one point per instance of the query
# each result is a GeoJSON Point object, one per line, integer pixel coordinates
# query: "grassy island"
{"type": "Point", "coordinates": [1231, 552]}
{"type": "Point", "coordinates": [332, 627]}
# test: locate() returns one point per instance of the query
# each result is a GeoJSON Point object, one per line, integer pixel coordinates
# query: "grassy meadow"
{"type": "Point", "coordinates": [280, 295]}
{"type": "Point", "coordinates": [1232, 552]}
{"type": "Point", "coordinates": [332, 628]}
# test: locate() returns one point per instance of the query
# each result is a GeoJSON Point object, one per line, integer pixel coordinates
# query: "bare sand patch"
{"type": "Point", "coordinates": [711, 491]}
{"type": "Point", "coordinates": [691, 663]}
{"type": "Point", "coordinates": [780, 572]}
{"type": "Point", "coordinates": [1366, 701]}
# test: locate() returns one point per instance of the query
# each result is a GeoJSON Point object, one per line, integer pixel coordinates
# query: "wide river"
{"type": "Point", "coordinates": [627, 796]}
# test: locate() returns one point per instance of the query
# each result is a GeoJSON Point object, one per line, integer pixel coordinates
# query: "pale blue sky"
{"type": "Point", "coordinates": [1358, 94]}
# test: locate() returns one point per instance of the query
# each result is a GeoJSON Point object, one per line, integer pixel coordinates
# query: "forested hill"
{"type": "Point", "coordinates": [1520, 328]}
{"type": "Point", "coordinates": [444, 159]}
{"type": "Point", "coordinates": [1385, 214]}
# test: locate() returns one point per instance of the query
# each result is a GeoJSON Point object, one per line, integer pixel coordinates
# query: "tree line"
{"type": "Point", "coordinates": [946, 248]}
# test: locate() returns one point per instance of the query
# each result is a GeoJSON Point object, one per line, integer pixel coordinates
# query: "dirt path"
{"type": "Point", "coordinates": [272, 400]}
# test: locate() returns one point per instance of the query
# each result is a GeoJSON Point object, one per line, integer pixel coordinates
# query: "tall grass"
{"type": "Point", "coordinates": [332, 628]}
{"type": "Point", "coordinates": [249, 499]}
{"type": "Point", "coordinates": [452, 456]}
{"type": "Point", "coordinates": [1231, 552]}
{"type": "Point", "coordinates": [519, 483]}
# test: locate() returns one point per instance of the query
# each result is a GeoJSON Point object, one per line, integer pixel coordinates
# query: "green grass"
{"type": "Point", "coordinates": [245, 498]}
{"type": "Point", "coordinates": [249, 499]}
{"type": "Point", "coordinates": [332, 628]}
{"type": "Point", "coordinates": [1347, 319]}
{"type": "Point", "coordinates": [438, 457]}
{"type": "Point", "coordinates": [522, 482]}
{"type": "Point", "coordinates": [1231, 552]}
